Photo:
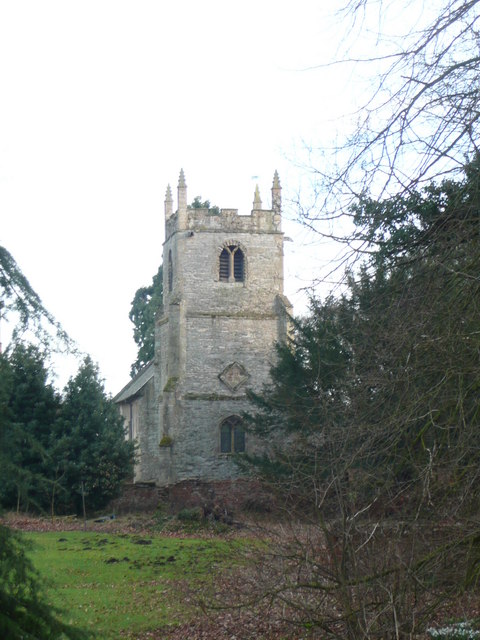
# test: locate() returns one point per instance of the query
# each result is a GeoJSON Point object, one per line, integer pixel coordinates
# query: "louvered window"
{"type": "Point", "coordinates": [232, 435]}
{"type": "Point", "coordinates": [224, 265]}
{"type": "Point", "coordinates": [238, 265]}
{"type": "Point", "coordinates": [232, 264]}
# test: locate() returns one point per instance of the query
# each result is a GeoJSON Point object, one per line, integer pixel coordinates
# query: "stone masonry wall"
{"type": "Point", "coordinates": [208, 327]}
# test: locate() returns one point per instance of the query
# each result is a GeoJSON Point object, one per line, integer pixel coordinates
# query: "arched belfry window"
{"type": "Point", "coordinates": [232, 264]}
{"type": "Point", "coordinates": [170, 271]}
{"type": "Point", "coordinates": [232, 435]}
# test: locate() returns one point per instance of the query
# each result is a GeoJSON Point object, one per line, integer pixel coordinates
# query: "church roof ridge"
{"type": "Point", "coordinates": [136, 383]}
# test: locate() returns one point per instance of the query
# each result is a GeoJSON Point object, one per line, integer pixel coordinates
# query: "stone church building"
{"type": "Point", "coordinates": [223, 310]}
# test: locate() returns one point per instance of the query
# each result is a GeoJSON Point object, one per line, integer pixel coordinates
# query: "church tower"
{"type": "Point", "coordinates": [223, 311]}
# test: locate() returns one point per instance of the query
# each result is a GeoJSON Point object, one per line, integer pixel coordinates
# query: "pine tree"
{"type": "Point", "coordinates": [91, 447]}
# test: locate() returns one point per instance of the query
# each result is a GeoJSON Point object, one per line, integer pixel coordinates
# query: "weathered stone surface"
{"type": "Point", "coordinates": [234, 376]}
{"type": "Point", "coordinates": [213, 339]}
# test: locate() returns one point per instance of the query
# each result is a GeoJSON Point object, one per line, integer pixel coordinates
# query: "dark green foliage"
{"type": "Point", "coordinates": [198, 204]}
{"type": "Point", "coordinates": [418, 303]}
{"type": "Point", "coordinates": [28, 403]}
{"type": "Point", "coordinates": [32, 404]}
{"type": "Point", "coordinates": [91, 449]}
{"type": "Point", "coordinates": [144, 307]}
{"type": "Point", "coordinates": [384, 380]}
{"type": "Point", "coordinates": [24, 613]}
{"type": "Point", "coordinates": [306, 399]}
{"type": "Point", "coordinates": [49, 445]}
{"type": "Point", "coordinates": [6, 445]}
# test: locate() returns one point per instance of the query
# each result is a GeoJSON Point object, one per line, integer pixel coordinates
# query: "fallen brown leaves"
{"type": "Point", "coordinates": [128, 524]}
{"type": "Point", "coordinates": [24, 522]}
{"type": "Point", "coordinates": [219, 621]}
{"type": "Point", "coordinates": [238, 625]}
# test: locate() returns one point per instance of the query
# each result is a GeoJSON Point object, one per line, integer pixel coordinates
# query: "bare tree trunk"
{"type": "Point", "coordinates": [52, 502]}
{"type": "Point", "coordinates": [83, 506]}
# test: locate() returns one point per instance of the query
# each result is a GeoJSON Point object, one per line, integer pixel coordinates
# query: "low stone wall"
{"type": "Point", "coordinates": [231, 496]}
{"type": "Point", "coordinates": [135, 498]}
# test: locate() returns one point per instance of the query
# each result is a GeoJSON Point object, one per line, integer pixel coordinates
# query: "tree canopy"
{"type": "Point", "coordinates": [53, 447]}
{"type": "Point", "coordinates": [145, 304]}
{"type": "Point", "coordinates": [48, 443]}
{"type": "Point", "coordinates": [371, 423]}
{"type": "Point", "coordinates": [198, 204]}
{"type": "Point", "coordinates": [91, 449]}
{"type": "Point", "coordinates": [31, 406]}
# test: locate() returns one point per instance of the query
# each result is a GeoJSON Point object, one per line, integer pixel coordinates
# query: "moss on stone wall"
{"type": "Point", "coordinates": [171, 384]}
{"type": "Point", "coordinates": [212, 397]}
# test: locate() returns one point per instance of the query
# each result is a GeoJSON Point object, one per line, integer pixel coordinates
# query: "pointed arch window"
{"type": "Point", "coordinates": [232, 264]}
{"type": "Point", "coordinates": [232, 435]}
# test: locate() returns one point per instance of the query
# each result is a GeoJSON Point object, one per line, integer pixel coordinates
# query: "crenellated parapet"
{"type": "Point", "coordinates": [190, 219]}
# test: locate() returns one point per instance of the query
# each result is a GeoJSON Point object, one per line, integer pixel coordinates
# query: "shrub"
{"type": "Point", "coordinates": [194, 514]}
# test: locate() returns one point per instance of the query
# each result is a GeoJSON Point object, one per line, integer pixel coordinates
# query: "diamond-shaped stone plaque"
{"type": "Point", "coordinates": [234, 376]}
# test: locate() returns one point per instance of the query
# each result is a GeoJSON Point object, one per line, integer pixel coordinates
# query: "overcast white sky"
{"type": "Point", "coordinates": [102, 102]}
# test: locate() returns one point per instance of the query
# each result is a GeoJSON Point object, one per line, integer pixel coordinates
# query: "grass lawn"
{"type": "Point", "coordinates": [118, 584]}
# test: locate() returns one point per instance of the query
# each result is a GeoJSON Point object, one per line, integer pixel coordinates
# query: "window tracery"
{"type": "Point", "coordinates": [232, 435]}
{"type": "Point", "coordinates": [232, 264]}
